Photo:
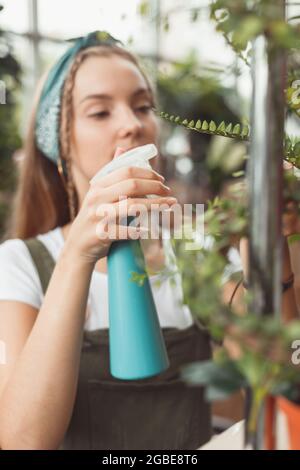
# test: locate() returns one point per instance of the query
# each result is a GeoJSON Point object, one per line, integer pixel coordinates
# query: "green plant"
{"type": "Point", "coordinates": [262, 361]}
{"type": "Point", "coordinates": [10, 75]}
{"type": "Point", "coordinates": [237, 131]}
{"type": "Point", "coordinates": [262, 364]}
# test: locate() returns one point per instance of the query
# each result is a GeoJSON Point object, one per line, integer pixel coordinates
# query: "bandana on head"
{"type": "Point", "coordinates": [49, 106]}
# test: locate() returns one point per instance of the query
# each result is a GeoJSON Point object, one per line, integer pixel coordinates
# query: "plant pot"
{"type": "Point", "coordinates": [292, 414]}
{"type": "Point", "coordinates": [291, 411]}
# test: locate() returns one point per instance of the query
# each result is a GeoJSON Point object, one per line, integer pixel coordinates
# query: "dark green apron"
{"type": "Point", "coordinates": [158, 413]}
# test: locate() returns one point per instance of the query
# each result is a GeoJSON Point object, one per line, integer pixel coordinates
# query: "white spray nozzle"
{"type": "Point", "coordinates": [137, 156]}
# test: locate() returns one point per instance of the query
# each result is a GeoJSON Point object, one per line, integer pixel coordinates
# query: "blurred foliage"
{"type": "Point", "coordinates": [241, 21]}
{"type": "Point", "coordinates": [262, 362]}
{"type": "Point", "coordinates": [260, 351]}
{"type": "Point", "coordinates": [237, 131]}
{"type": "Point", "coordinates": [10, 140]}
{"type": "Point", "coordinates": [190, 88]}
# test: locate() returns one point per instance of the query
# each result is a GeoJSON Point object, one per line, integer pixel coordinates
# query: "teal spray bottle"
{"type": "Point", "coordinates": [136, 344]}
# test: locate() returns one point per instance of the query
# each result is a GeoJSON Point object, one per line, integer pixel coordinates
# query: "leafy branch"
{"type": "Point", "coordinates": [234, 131]}
{"type": "Point", "coordinates": [228, 40]}
{"type": "Point", "coordinates": [242, 21]}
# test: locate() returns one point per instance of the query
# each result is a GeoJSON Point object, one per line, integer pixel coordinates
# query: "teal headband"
{"type": "Point", "coordinates": [48, 112]}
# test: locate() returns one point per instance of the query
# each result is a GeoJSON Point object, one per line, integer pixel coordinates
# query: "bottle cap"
{"type": "Point", "coordinates": [138, 156]}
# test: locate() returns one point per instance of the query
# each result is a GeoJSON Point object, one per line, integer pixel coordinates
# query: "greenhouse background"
{"type": "Point", "coordinates": [195, 72]}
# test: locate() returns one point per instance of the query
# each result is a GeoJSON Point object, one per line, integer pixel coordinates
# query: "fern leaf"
{"type": "Point", "coordinates": [245, 131]}
{"type": "Point", "coordinates": [222, 127]}
{"type": "Point", "coordinates": [212, 126]}
{"type": "Point", "coordinates": [236, 129]}
{"type": "Point", "coordinates": [228, 129]}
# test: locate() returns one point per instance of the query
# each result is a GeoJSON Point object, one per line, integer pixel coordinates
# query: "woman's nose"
{"type": "Point", "coordinates": [130, 123]}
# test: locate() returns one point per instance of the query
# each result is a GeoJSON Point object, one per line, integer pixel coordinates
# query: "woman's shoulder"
{"type": "Point", "coordinates": [19, 279]}
{"type": "Point", "coordinates": [14, 248]}
{"type": "Point", "coordinates": [18, 276]}
{"type": "Point", "coordinates": [53, 240]}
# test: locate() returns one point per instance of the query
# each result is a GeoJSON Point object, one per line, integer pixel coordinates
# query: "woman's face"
{"type": "Point", "coordinates": [122, 118]}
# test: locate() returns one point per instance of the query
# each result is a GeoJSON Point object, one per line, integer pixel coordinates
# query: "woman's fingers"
{"type": "Point", "coordinates": [126, 173]}
{"type": "Point", "coordinates": [118, 232]}
{"type": "Point", "coordinates": [113, 212]}
{"type": "Point", "coordinates": [130, 188]}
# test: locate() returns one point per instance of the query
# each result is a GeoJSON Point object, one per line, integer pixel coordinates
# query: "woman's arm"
{"type": "Point", "coordinates": [37, 401]}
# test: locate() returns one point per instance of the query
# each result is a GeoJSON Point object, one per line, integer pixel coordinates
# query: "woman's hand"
{"type": "Point", "coordinates": [97, 224]}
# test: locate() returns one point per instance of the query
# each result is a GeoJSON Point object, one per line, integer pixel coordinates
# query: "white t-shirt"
{"type": "Point", "coordinates": [19, 280]}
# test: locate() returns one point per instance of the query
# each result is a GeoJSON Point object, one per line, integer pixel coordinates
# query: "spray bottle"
{"type": "Point", "coordinates": [136, 343]}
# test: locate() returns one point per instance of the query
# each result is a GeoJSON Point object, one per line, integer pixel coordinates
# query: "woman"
{"type": "Point", "coordinates": [56, 390]}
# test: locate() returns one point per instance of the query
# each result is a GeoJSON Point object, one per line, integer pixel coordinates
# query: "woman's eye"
{"type": "Point", "coordinates": [100, 114]}
{"type": "Point", "coordinates": [145, 108]}
{"type": "Point", "coordinates": [103, 114]}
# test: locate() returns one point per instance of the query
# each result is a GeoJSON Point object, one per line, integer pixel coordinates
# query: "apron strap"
{"type": "Point", "coordinates": [42, 259]}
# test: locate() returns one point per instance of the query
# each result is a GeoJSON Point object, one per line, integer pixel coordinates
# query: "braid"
{"type": "Point", "coordinates": [65, 137]}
